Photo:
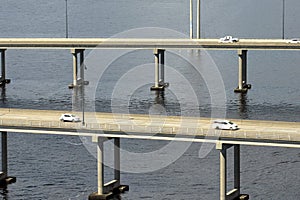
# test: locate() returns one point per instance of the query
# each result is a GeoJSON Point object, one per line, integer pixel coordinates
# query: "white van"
{"type": "Point", "coordinates": [224, 125]}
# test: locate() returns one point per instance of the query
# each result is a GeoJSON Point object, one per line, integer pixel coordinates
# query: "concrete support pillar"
{"type": "Point", "coordinates": [4, 152]}
{"type": "Point", "coordinates": [82, 66]}
{"type": "Point", "coordinates": [162, 67]}
{"type": "Point", "coordinates": [4, 178]}
{"type": "Point", "coordinates": [117, 160]}
{"type": "Point", "coordinates": [156, 63]}
{"type": "Point", "coordinates": [107, 190]}
{"type": "Point", "coordinates": [75, 67]}
{"type": "Point", "coordinates": [100, 166]}
{"type": "Point", "coordinates": [198, 18]}
{"type": "Point", "coordinates": [3, 79]}
{"type": "Point", "coordinates": [223, 174]}
{"type": "Point", "coordinates": [3, 65]}
{"type": "Point", "coordinates": [159, 76]}
{"type": "Point", "coordinates": [242, 74]}
{"type": "Point", "coordinates": [191, 19]}
{"type": "Point", "coordinates": [233, 194]}
{"type": "Point", "coordinates": [237, 167]}
{"type": "Point", "coordinates": [76, 79]}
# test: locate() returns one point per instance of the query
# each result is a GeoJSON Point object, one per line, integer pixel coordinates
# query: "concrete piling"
{"type": "Point", "coordinates": [3, 79]}
{"type": "Point", "coordinates": [112, 188]}
{"type": "Point", "coordinates": [77, 81]}
{"type": "Point", "coordinates": [233, 194]}
{"type": "Point", "coordinates": [159, 75]}
{"type": "Point", "coordinates": [242, 73]}
{"type": "Point", "coordinates": [4, 178]}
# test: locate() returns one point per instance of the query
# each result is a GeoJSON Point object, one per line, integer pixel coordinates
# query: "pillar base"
{"type": "Point", "coordinates": [242, 197]}
{"type": "Point", "coordinates": [3, 82]}
{"type": "Point", "coordinates": [116, 191]}
{"type": "Point", "coordinates": [71, 86]}
{"type": "Point", "coordinates": [6, 181]}
{"type": "Point", "coordinates": [161, 87]}
{"type": "Point", "coordinates": [245, 89]}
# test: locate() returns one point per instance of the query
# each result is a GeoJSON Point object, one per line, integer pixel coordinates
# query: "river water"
{"type": "Point", "coordinates": [201, 84]}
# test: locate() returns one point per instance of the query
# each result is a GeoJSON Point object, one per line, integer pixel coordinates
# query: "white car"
{"type": "Point", "coordinates": [228, 39]}
{"type": "Point", "coordinates": [69, 118]}
{"type": "Point", "coordinates": [224, 125]}
{"type": "Point", "coordinates": [294, 40]}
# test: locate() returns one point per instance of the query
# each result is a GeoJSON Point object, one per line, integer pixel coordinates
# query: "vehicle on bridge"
{"type": "Point", "coordinates": [228, 39]}
{"type": "Point", "coordinates": [224, 125]}
{"type": "Point", "coordinates": [294, 40]}
{"type": "Point", "coordinates": [69, 118]}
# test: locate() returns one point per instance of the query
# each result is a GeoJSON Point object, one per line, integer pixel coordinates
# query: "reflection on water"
{"type": "Point", "coordinates": [3, 94]}
{"type": "Point", "coordinates": [243, 107]}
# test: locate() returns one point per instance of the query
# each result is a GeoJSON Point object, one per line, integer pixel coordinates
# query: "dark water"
{"type": "Point", "coordinates": [57, 167]}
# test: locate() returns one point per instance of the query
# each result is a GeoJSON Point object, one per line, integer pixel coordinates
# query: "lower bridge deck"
{"type": "Point", "coordinates": [147, 126]}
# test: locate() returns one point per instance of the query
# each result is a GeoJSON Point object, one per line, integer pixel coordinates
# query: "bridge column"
{"type": "Point", "coordinates": [3, 79]}
{"type": "Point", "coordinates": [108, 190]}
{"type": "Point", "coordinates": [234, 194]}
{"type": "Point", "coordinates": [159, 80]}
{"type": "Point", "coordinates": [4, 178]}
{"type": "Point", "coordinates": [78, 80]}
{"type": "Point", "coordinates": [242, 82]}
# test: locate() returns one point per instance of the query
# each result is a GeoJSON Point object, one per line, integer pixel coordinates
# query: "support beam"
{"type": "Point", "coordinates": [242, 74]}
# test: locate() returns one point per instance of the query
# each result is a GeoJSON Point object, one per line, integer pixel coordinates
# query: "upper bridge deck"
{"type": "Point", "coordinates": [145, 43]}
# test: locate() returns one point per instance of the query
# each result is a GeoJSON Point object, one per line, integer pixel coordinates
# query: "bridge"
{"type": "Point", "coordinates": [145, 43]}
{"type": "Point", "coordinates": [103, 126]}
{"type": "Point", "coordinates": [171, 128]}
{"type": "Point", "coordinates": [78, 45]}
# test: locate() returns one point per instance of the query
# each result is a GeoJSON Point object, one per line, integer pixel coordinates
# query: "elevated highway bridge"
{"type": "Point", "coordinates": [103, 126]}
{"type": "Point", "coordinates": [78, 45]}
{"type": "Point", "coordinates": [145, 43]}
{"type": "Point", "coordinates": [172, 128]}
{"type": "Point", "coordinates": [150, 126]}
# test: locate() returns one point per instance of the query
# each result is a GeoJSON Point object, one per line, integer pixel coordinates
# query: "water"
{"type": "Point", "coordinates": [57, 167]}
